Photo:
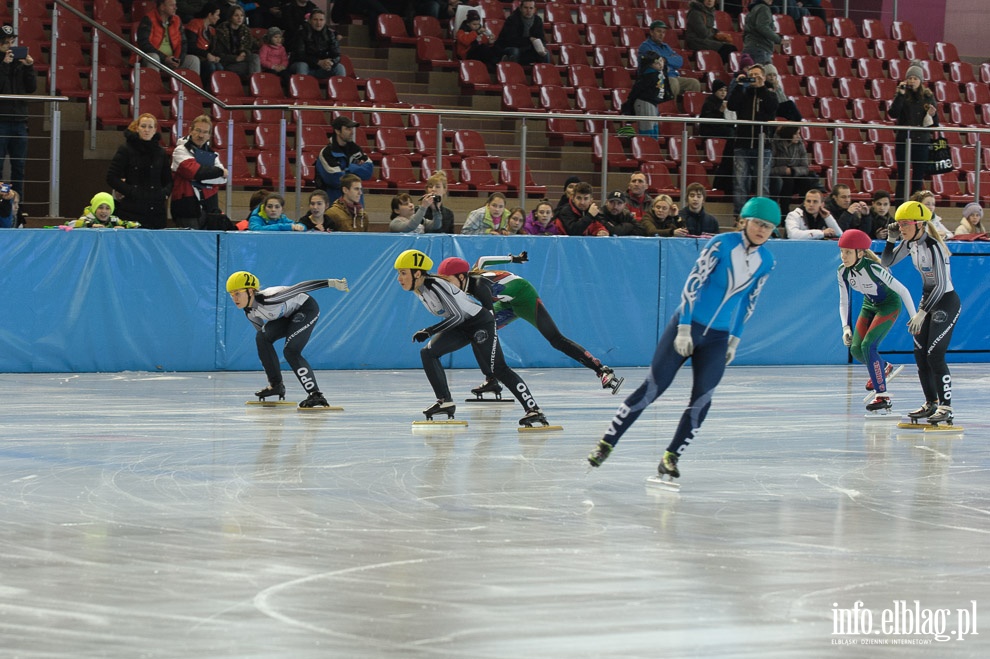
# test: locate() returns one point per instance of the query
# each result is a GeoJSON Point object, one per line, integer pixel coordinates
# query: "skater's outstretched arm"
{"type": "Point", "coordinates": [290, 292]}
{"type": "Point", "coordinates": [485, 261]}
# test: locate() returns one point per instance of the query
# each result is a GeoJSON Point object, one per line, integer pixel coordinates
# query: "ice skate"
{"type": "Point", "coordinates": [880, 406]}
{"type": "Point", "coordinates": [440, 407]}
{"type": "Point", "coordinates": [666, 472]}
{"type": "Point", "coordinates": [491, 386]}
{"type": "Point", "coordinates": [923, 412]}
{"type": "Point", "coordinates": [272, 390]}
{"type": "Point", "coordinates": [610, 380]}
{"type": "Point", "coordinates": [943, 414]}
{"type": "Point", "coordinates": [316, 401]}
{"type": "Point", "coordinates": [888, 369]}
{"type": "Point", "coordinates": [600, 454]}
{"type": "Point", "coordinates": [533, 417]}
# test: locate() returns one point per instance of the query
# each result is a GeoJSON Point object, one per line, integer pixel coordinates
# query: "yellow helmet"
{"type": "Point", "coordinates": [913, 211]}
{"type": "Point", "coordinates": [241, 280]}
{"type": "Point", "coordinates": [413, 259]}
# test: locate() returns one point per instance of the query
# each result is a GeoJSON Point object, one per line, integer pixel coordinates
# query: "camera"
{"type": "Point", "coordinates": [437, 199]}
{"type": "Point", "coordinates": [749, 80]}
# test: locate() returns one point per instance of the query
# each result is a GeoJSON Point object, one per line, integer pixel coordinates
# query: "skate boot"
{"type": "Point", "coordinates": [943, 414]}
{"type": "Point", "coordinates": [532, 417]}
{"type": "Point", "coordinates": [881, 404]}
{"type": "Point", "coordinates": [610, 381]}
{"type": "Point", "coordinates": [272, 390]}
{"type": "Point", "coordinates": [440, 407]}
{"type": "Point", "coordinates": [888, 369]}
{"type": "Point", "coordinates": [600, 454]}
{"type": "Point", "coordinates": [315, 399]}
{"type": "Point", "coordinates": [923, 412]}
{"type": "Point", "coordinates": [491, 385]}
{"type": "Point", "coordinates": [668, 466]}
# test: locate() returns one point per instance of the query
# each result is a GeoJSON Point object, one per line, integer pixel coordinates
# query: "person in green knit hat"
{"type": "Point", "coordinates": [99, 214]}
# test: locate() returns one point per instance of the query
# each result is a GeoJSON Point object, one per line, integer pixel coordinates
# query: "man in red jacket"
{"type": "Point", "coordinates": [161, 36]}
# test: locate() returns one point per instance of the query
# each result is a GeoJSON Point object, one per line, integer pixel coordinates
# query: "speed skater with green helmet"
{"type": "Point", "coordinates": [718, 297]}
{"type": "Point", "coordinates": [282, 312]}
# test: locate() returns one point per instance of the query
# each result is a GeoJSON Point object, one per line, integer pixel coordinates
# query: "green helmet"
{"type": "Point", "coordinates": [241, 280]}
{"type": "Point", "coordinates": [413, 259]}
{"type": "Point", "coordinates": [913, 211]}
{"type": "Point", "coordinates": [761, 208]}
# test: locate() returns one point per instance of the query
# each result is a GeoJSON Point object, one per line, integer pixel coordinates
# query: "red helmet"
{"type": "Point", "coordinates": [453, 266]}
{"type": "Point", "coordinates": [854, 239]}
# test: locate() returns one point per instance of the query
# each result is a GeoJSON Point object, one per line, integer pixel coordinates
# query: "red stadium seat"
{"type": "Point", "coordinates": [949, 188]}
{"type": "Point", "coordinates": [844, 28]}
{"type": "Point", "coordinates": [432, 54]}
{"type": "Point", "coordinates": [471, 144]}
{"type": "Point", "coordinates": [617, 158]}
{"type": "Point", "coordinates": [946, 52]}
{"type": "Point", "coordinates": [875, 180]}
{"type": "Point", "coordinates": [886, 49]}
{"type": "Point", "coordinates": [902, 31]}
{"type": "Point", "coordinates": [510, 176]}
{"type": "Point", "coordinates": [398, 172]}
{"type": "Point", "coordinates": [962, 72]}
{"type": "Point", "coordinates": [873, 29]}
{"type": "Point", "coordinates": [476, 173]}
{"type": "Point", "coordinates": [659, 179]}
{"type": "Point", "coordinates": [391, 29]}
{"type": "Point", "coordinates": [517, 97]}
{"type": "Point", "coordinates": [474, 77]}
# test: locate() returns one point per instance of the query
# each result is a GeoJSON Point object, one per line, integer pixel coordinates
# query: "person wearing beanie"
{"type": "Point", "coordinates": [786, 109]}
{"type": "Point", "coordinates": [273, 56]}
{"type": "Point", "coordinates": [972, 220]}
{"type": "Point", "coordinates": [99, 214]}
{"type": "Point", "coordinates": [655, 43]}
{"type": "Point", "coordinates": [913, 105]}
{"type": "Point", "coordinates": [570, 183]}
{"type": "Point", "coordinates": [652, 87]}
{"type": "Point", "coordinates": [475, 41]}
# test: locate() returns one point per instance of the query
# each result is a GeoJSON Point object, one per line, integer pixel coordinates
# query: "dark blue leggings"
{"type": "Point", "coordinates": [296, 330]}
{"type": "Point", "coordinates": [708, 364]}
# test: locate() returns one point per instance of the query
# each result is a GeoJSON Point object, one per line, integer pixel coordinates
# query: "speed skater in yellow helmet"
{"type": "Point", "coordinates": [413, 259]}
{"type": "Point", "coordinates": [240, 280]}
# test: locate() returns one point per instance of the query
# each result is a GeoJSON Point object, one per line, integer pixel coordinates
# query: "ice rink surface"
{"type": "Point", "coordinates": [154, 515]}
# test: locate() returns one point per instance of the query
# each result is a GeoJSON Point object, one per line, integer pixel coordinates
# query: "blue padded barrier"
{"type": "Point", "coordinates": [104, 300]}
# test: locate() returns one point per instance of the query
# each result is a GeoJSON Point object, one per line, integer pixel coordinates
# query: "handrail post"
{"type": "Point", "coordinates": [906, 187]}
{"type": "Point", "coordinates": [604, 164]}
{"type": "Point", "coordinates": [55, 149]}
{"type": "Point", "coordinates": [136, 93]}
{"type": "Point", "coordinates": [230, 166]}
{"type": "Point", "coordinates": [977, 167]}
{"type": "Point", "coordinates": [835, 159]}
{"type": "Point", "coordinates": [522, 163]}
{"type": "Point", "coordinates": [684, 159]}
{"type": "Point", "coordinates": [281, 154]}
{"type": "Point", "coordinates": [760, 148]}
{"type": "Point", "coordinates": [94, 87]}
{"type": "Point", "coordinates": [299, 162]}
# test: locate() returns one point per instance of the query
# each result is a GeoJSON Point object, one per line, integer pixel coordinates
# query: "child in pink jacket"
{"type": "Point", "coordinates": [274, 58]}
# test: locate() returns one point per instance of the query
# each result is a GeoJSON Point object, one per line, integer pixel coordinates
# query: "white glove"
{"type": "Point", "coordinates": [730, 351]}
{"type": "Point", "coordinates": [339, 284]}
{"type": "Point", "coordinates": [914, 325]}
{"type": "Point", "coordinates": [683, 343]}
{"type": "Point", "coordinates": [893, 232]}
{"type": "Point", "coordinates": [847, 335]}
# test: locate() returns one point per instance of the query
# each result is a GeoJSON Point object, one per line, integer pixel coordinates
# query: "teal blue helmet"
{"type": "Point", "coordinates": [761, 208]}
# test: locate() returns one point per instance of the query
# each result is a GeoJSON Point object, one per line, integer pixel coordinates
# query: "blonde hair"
{"type": "Point", "coordinates": [930, 229]}
{"type": "Point", "coordinates": [437, 178]}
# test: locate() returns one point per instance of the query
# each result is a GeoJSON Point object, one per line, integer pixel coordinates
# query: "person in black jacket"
{"type": "Point", "coordinates": [521, 38]}
{"type": "Point", "coordinates": [914, 105]}
{"type": "Point", "coordinates": [140, 175]}
{"type": "Point", "coordinates": [316, 51]}
{"type": "Point", "coordinates": [751, 100]}
{"type": "Point", "coordinates": [17, 76]}
{"type": "Point", "coordinates": [651, 88]}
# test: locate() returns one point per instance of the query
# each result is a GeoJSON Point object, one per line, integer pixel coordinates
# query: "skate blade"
{"type": "Point", "coordinates": [881, 416]}
{"type": "Point", "coordinates": [328, 408]}
{"type": "Point", "coordinates": [445, 422]}
{"type": "Point", "coordinates": [271, 403]}
{"type": "Point", "coordinates": [490, 400]}
{"type": "Point", "coordinates": [619, 382]}
{"type": "Point", "coordinates": [943, 428]}
{"type": "Point", "coordinates": [657, 483]}
{"type": "Point", "coordinates": [539, 428]}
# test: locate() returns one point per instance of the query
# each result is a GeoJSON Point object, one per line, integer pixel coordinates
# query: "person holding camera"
{"type": "Point", "coordinates": [341, 156]}
{"type": "Point", "coordinates": [17, 76]}
{"type": "Point", "coordinates": [913, 105]}
{"type": "Point", "coordinates": [439, 215]}
{"type": "Point", "coordinates": [751, 100]}
{"type": "Point", "coordinates": [407, 217]}
{"type": "Point", "coordinates": [474, 41]}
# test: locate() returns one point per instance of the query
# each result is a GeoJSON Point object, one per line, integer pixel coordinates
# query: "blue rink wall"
{"type": "Point", "coordinates": [105, 300]}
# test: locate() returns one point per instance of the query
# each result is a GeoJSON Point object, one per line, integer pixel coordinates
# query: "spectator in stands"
{"type": "Point", "coordinates": [17, 76]}
{"type": "Point", "coordinates": [11, 216]}
{"type": "Point", "coordinates": [701, 34]}
{"type": "Point", "coordinates": [292, 18]}
{"type": "Point", "coordinates": [441, 217]}
{"type": "Point", "coordinates": [262, 13]}
{"type": "Point", "coordinates": [514, 225]}
{"type": "Point", "coordinates": [927, 197]}
{"type": "Point", "coordinates": [813, 7]}
{"type": "Point", "coordinates": [140, 176]}
{"type": "Point", "coordinates": [521, 38]}
{"type": "Point", "coordinates": [651, 88]}
{"type": "Point", "coordinates": [759, 35]}
{"type": "Point", "coordinates": [316, 218]}
{"type": "Point", "coordinates": [200, 35]}
{"type": "Point", "coordinates": [617, 219]}
{"type": "Point", "coordinates": [99, 214]}
{"type": "Point", "coordinates": [913, 105]}
{"type": "Point", "coordinates": [368, 9]}
{"type": "Point", "coordinates": [341, 156]}
{"type": "Point", "coordinates": [187, 10]}
{"type": "Point", "coordinates": [540, 220]}
{"type": "Point", "coordinates": [407, 217]}
{"type": "Point", "coordinates": [257, 198]}
{"type": "Point", "coordinates": [474, 41]}
{"type": "Point", "coordinates": [662, 218]}
{"type": "Point", "coordinates": [789, 172]}
{"type": "Point", "coordinates": [847, 213]}
{"type": "Point", "coordinates": [488, 218]}
{"type": "Point", "coordinates": [273, 56]}
{"type": "Point", "coordinates": [715, 107]}
{"type": "Point", "coordinates": [972, 221]}
{"type": "Point", "coordinates": [236, 46]}
{"type": "Point", "coordinates": [317, 51]}
{"type": "Point", "coordinates": [269, 216]}
{"type": "Point", "coordinates": [581, 215]}
{"type": "Point", "coordinates": [160, 35]}
{"type": "Point", "coordinates": [570, 183]}
{"type": "Point", "coordinates": [637, 200]}
{"type": "Point", "coordinates": [876, 225]}
{"type": "Point", "coordinates": [751, 101]}
{"type": "Point", "coordinates": [786, 108]}
{"type": "Point", "coordinates": [697, 220]}
{"type": "Point", "coordinates": [197, 175]}
{"type": "Point", "coordinates": [348, 212]}
{"type": "Point", "coordinates": [655, 44]}
{"type": "Point", "coordinates": [795, 9]}
{"type": "Point", "coordinates": [811, 221]}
